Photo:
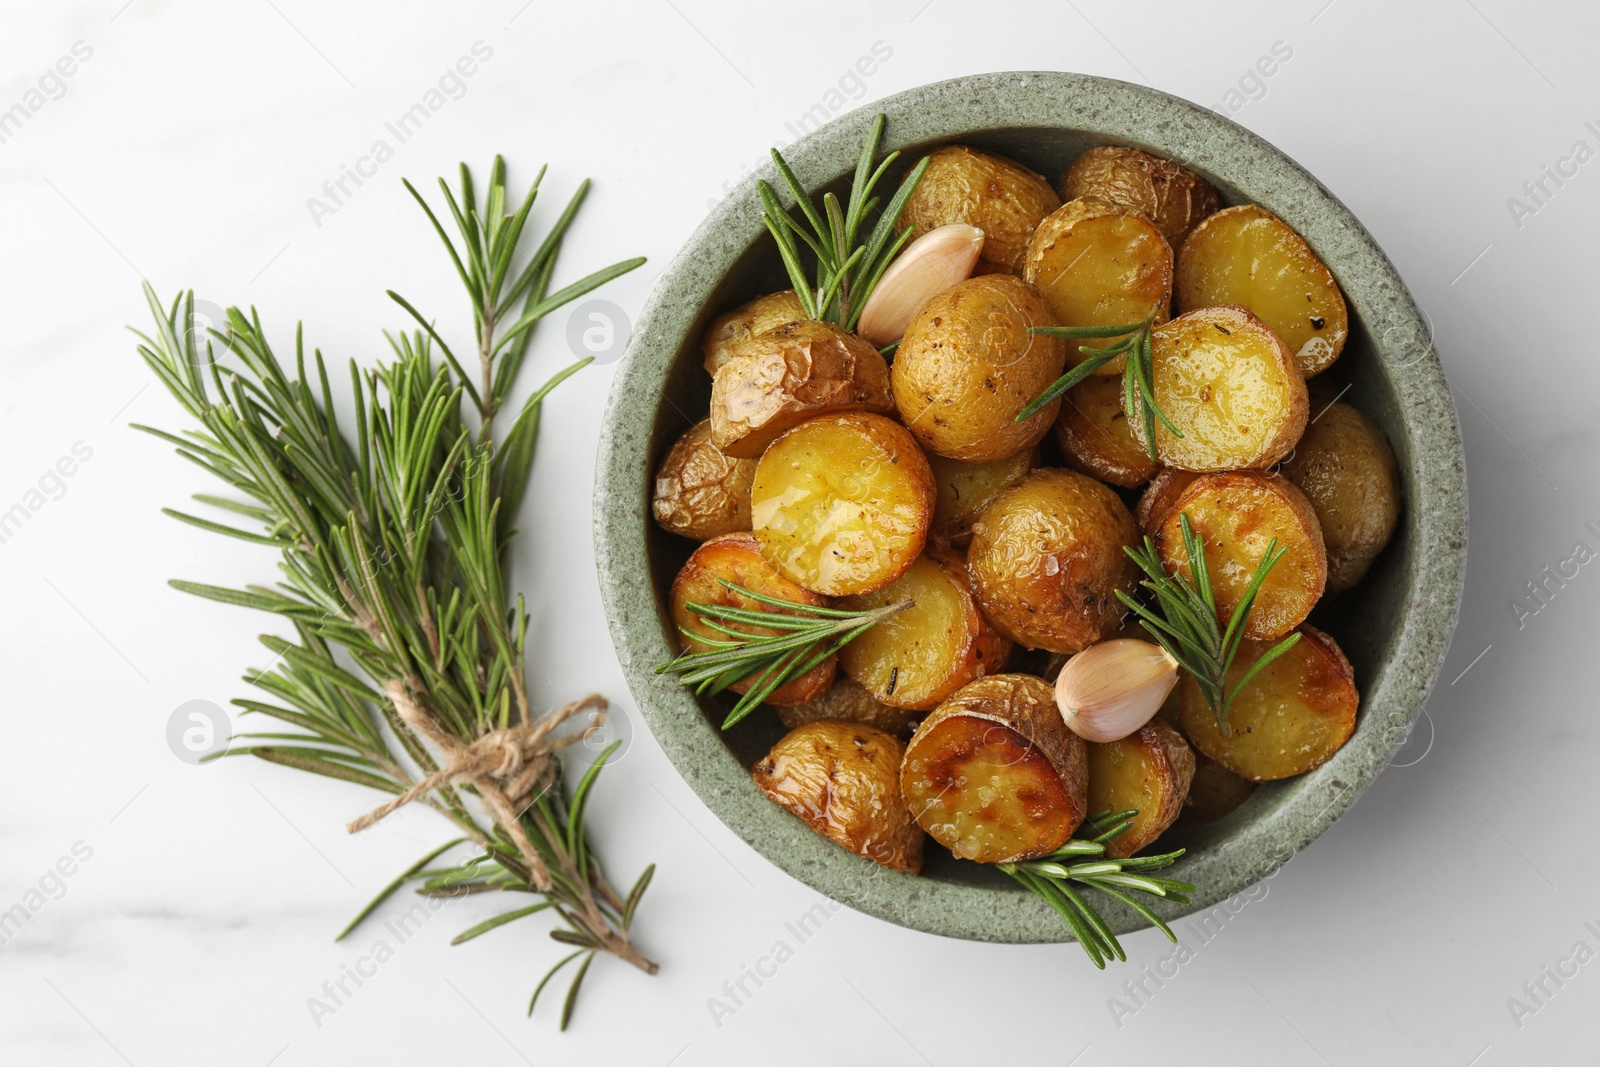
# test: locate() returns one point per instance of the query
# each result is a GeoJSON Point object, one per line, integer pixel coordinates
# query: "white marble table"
{"type": "Point", "coordinates": [190, 146]}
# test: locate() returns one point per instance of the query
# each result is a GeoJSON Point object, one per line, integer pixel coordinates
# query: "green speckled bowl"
{"type": "Point", "coordinates": [1395, 627]}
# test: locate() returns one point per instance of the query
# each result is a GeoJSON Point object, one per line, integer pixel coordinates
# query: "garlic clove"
{"type": "Point", "coordinates": [1111, 689]}
{"type": "Point", "coordinates": [928, 266]}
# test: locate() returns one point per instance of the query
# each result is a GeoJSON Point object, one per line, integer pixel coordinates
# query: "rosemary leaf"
{"type": "Point", "coordinates": [394, 556]}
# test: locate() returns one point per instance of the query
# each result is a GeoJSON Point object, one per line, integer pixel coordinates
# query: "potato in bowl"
{"type": "Point", "coordinates": [1043, 121]}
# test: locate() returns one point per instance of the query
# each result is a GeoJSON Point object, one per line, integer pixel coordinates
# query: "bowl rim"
{"type": "Point", "coordinates": [1109, 111]}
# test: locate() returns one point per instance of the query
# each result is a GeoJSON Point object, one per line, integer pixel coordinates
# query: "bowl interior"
{"type": "Point", "coordinates": [1392, 626]}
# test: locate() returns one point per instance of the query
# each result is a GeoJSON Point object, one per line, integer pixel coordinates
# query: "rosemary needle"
{"type": "Point", "coordinates": [1184, 618]}
{"type": "Point", "coordinates": [1082, 863]}
{"type": "Point", "coordinates": [805, 636]}
{"type": "Point", "coordinates": [1138, 376]}
{"type": "Point", "coordinates": [847, 269]}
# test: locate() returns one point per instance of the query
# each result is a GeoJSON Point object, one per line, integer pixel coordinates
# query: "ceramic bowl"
{"type": "Point", "coordinates": [1395, 627]}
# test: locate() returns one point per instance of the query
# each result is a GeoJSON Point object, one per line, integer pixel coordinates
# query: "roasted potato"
{"type": "Point", "coordinates": [1290, 719]}
{"type": "Point", "coordinates": [1215, 792]}
{"type": "Point", "coordinates": [780, 378]}
{"type": "Point", "coordinates": [1100, 264]}
{"type": "Point", "coordinates": [1148, 771]}
{"type": "Point", "coordinates": [841, 504]}
{"type": "Point", "coordinates": [847, 701]}
{"type": "Point", "coordinates": [1002, 198]}
{"type": "Point", "coordinates": [1345, 467]}
{"type": "Point", "coordinates": [923, 654]}
{"type": "Point", "coordinates": [1173, 198]}
{"type": "Point", "coordinates": [1095, 437]}
{"type": "Point", "coordinates": [727, 331]}
{"type": "Point", "coordinates": [1230, 386]}
{"type": "Point", "coordinates": [1247, 256]}
{"type": "Point", "coordinates": [1166, 485]}
{"type": "Point", "coordinates": [700, 492]}
{"type": "Point", "coordinates": [964, 489]}
{"type": "Point", "coordinates": [994, 775]}
{"type": "Point", "coordinates": [967, 366]}
{"type": "Point", "coordinates": [1237, 515]}
{"type": "Point", "coordinates": [1046, 560]}
{"type": "Point", "coordinates": [842, 780]}
{"type": "Point", "coordinates": [736, 558]}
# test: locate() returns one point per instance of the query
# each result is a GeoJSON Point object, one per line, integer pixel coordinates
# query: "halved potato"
{"type": "Point", "coordinates": [1046, 560]}
{"type": "Point", "coordinates": [1148, 771]}
{"type": "Point", "coordinates": [964, 489]}
{"type": "Point", "coordinates": [1248, 256]}
{"type": "Point", "coordinates": [1001, 197]}
{"type": "Point", "coordinates": [1100, 264]}
{"type": "Point", "coordinates": [1173, 198]}
{"type": "Point", "coordinates": [843, 780]}
{"type": "Point", "coordinates": [700, 492]}
{"type": "Point", "coordinates": [917, 658]}
{"type": "Point", "coordinates": [1095, 436]}
{"type": "Point", "coordinates": [1165, 487]}
{"type": "Point", "coordinates": [780, 378]}
{"type": "Point", "coordinates": [1215, 792]}
{"type": "Point", "coordinates": [841, 504]}
{"type": "Point", "coordinates": [727, 331]}
{"type": "Point", "coordinates": [736, 558]}
{"type": "Point", "coordinates": [1346, 469]}
{"type": "Point", "coordinates": [1237, 515]}
{"type": "Point", "coordinates": [847, 701]}
{"type": "Point", "coordinates": [967, 366]}
{"type": "Point", "coordinates": [1290, 719]}
{"type": "Point", "coordinates": [1230, 386]}
{"type": "Point", "coordinates": [994, 775]}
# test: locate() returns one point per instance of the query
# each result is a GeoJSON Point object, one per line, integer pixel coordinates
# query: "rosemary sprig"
{"type": "Point", "coordinates": [1138, 375]}
{"type": "Point", "coordinates": [393, 545]}
{"type": "Point", "coordinates": [847, 270]}
{"type": "Point", "coordinates": [1082, 862]}
{"type": "Point", "coordinates": [1187, 625]}
{"type": "Point", "coordinates": [806, 636]}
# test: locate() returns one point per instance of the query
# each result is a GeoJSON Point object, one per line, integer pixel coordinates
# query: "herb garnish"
{"type": "Point", "coordinates": [807, 635]}
{"type": "Point", "coordinates": [847, 271]}
{"type": "Point", "coordinates": [1052, 878]}
{"type": "Point", "coordinates": [1138, 390]}
{"type": "Point", "coordinates": [407, 673]}
{"type": "Point", "coordinates": [1187, 624]}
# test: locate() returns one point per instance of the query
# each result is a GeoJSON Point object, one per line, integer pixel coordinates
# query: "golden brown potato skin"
{"type": "Point", "coordinates": [1248, 256]}
{"type": "Point", "coordinates": [1345, 467]}
{"type": "Point", "coordinates": [1214, 792]}
{"type": "Point", "coordinates": [700, 492]}
{"type": "Point", "coordinates": [1095, 437]}
{"type": "Point", "coordinates": [1046, 560]}
{"type": "Point", "coordinates": [1100, 264]}
{"type": "Point", "coordinates": [847, 701]}
{"type": "Point", "coordinates": [1290, 719]}
{"type": "Point", "coordinates": [919, 657]}
{"type": "Point", "coordinates": [728, 330]}
{"type": "Point", "coordinates": [993, 773]}
{"type": "Point", "coordinates": [1238, 515]}
{"type": "Point", "coordinates": [843, 780]}
{"type": "Point", "coordinates": [1165, 487]}
{"type": "Point", "coordinates": [842, 503]}
{"type": "Point", "coordinates": [1172, 197]}
{"type": "Point", "coordinates": [1231, 386]}
{"type": "Point", "coordinates": [777, 380]}
{"type": "Point", "coordinates": [736, 558]}
{"type": "Point", "coordinates": [1002, 198]}
{"type": "Point", "coordinates": [965, 489]}
{"type": "Point", "coordinates": [1148, 771]}
{"type": "Point", "coordinates": [967, 366]}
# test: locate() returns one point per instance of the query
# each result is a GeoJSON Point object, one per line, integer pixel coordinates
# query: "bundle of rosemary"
{"type": "Point", "coordinates": [407, 673]}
